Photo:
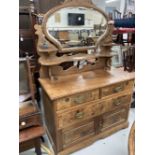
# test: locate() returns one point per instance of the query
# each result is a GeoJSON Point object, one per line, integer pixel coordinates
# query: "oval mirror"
{"type": "Point", "coordinates": [76, 27]}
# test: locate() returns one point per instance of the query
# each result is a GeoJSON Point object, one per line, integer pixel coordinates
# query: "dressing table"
{"type": "Point", "coordinates": [84, 99]}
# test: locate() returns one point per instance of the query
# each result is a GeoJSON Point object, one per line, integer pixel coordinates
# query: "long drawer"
{"type": "Point", "coordinates": [116, 88]}
{"type": "Point", "coordinates": [74, 100]}
{"type": "Point", "coordinates": [83, 112]}
{"type": "Point", "coordinates": [73, 135]}
{"type": "Point", "coordinates": [77, 114]}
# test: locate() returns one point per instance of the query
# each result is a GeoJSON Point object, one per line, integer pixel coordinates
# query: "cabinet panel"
{"type": "Point", "coordinates": [75, 135]}
{"type": "Point", "coordinates": [112, 119]}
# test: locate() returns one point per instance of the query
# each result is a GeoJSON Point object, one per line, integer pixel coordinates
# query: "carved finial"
{"type": "Point", "coordinates": [79, 1]}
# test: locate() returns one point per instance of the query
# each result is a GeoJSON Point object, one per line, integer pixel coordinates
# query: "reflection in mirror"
{"type": "Point", "coordinates": [76, 26]}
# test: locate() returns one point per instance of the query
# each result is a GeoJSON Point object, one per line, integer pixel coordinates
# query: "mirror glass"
{"type": "Point", "coordinates": [76, 26]}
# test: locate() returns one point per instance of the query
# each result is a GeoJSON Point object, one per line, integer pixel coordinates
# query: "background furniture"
{"type": "Point", "coordinates": [129, 58]}
{"type": "Point", "coordinates": [87, 100]}
{"type": "Point", "coordinates": [132, 140]}
{"type": "Point", "coordinates": [30, 123]}
{"type": "Point", "coordinates": [31, 138]}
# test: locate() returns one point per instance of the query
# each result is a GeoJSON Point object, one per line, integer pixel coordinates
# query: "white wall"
{"type": "Point", "coordinates": [100, 4]}
{"type": "Point", "coordinates": [118, 4]}
{"type": "Point", "coordinates": [91, 17]}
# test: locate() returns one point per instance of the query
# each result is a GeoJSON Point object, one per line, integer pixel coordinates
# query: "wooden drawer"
{"type": "Point", "coordinates": [112, 119]}
{"type": "Point", "coordinates": [90, 110]}
{"type": "Point", "coordinates": [117, 88]}
{"type": "Point", "coordinates": [77, 114]}
{"type": "Point", "coordinates": [113, 103]}
{"type": "Point", "coordinates": [30, 121]}
{"type": "Point", "coordinates": [77, 99]}
{"type": "Point", "coordinates": [78, 133]}
{"type": "Point", "coordinates": [119, 101]}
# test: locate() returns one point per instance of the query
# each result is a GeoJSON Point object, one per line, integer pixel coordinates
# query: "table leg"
{"type": "Point", "coordinates": [38, 147]}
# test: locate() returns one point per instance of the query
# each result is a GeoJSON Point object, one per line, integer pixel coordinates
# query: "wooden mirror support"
{"type": "Point", "coordinates": [57, 61]}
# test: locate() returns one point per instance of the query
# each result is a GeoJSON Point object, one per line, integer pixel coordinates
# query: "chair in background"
{"type": "Point", "coordinates": [129, 58]}
{"type": "Point", "coordinates": [30, 123]}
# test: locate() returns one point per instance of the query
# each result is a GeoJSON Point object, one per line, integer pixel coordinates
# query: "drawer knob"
{"type": "Point", "coordinates": [79, 115]}
{"type": "Point", "coordinates": [118, 89]}
{"type": "Point", "coordinates": [23, 123]}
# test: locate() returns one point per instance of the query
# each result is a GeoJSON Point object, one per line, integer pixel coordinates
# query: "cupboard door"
{"type": "Point", "coordinates": [113, 119]}
{"type": "Point", "coordinates": [77, 134]}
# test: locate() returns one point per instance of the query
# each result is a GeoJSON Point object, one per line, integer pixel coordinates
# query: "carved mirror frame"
{"type": "Point", "coordinates": [73, 3]}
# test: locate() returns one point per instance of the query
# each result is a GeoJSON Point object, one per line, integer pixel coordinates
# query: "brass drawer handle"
{"type": "Point", "coordinates": [79, 115]}
{"type": "Point", "coordinates": [79, 99]}
{"type": "Point", "coordinates": [118, 89]}
{"type": "Point", "coordinates": [117, 102]}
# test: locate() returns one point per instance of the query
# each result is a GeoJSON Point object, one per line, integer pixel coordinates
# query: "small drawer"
{"type": "Point", "coordinates": [119, 101]}
{"type": "Point", "coordinates": [113, 119]}
{"type": "Point", "coordinates": [117, 88]}
{"type": "Point", "coordinates": [29, 121]}
{"type": "Point", "coordinates": [113, 103]}
{"type": "Point", "coordinates": [77, 134]}
{"type": "Point", "coordinates": [77, 99]}
{"type": "Point", "coordinates": [77, 115]}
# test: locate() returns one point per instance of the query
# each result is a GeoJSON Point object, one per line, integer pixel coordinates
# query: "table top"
{"type": "Point", "coordinates": [77, 83]}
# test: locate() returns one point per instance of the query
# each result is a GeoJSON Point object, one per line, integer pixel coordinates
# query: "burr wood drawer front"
{"type": "Point", "coordinates": [90, 110]}
{"type": "Point", "coordinates": [77, 99]}
{"type": "Point", "coordinates": [76, 134]}
{"type": "Point", "coordinates": [78, 114]}
{"type": "Point", "coordinates": [116, 88]}
{"type": "Point", "coordinates": [106, 105]}
{"type": "Point", "coordinates": [114, 118]}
